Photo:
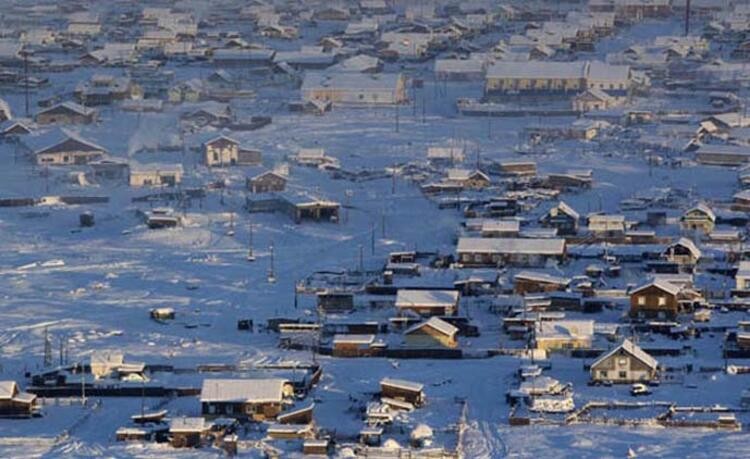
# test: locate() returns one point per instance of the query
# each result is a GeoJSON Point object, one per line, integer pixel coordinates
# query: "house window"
{"type": "Point", "coordinates": [641, 301]}
{"type": "Point", "coordinates": [662, 301]}
{"type": "Point", "coordinates": [216, 156]}
{"type": "Point", "coordinates": [623, 374]}
{"type": "Point", "coordinates": [211, 409]}
{"type": "Point", "coordinates": [603, 373]}
{"type": "Point", "coordinates": [622, 362]}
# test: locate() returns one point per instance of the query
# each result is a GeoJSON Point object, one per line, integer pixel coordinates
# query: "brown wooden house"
{"type": "Point", "coordinates": [657, 299]}
{"type": "Point", "coordinates": [14, 403]}
{"type": "Point", "coordinates": [406, 391]}
{"type": "Point", "coordinates": [535, 282]}
{"type": "Point", "coordinates": [187, 432]}
{"type": "Point", "coordinates": [253, 399]}
{"type": "Point", "coordinates": [66, 113]}
{"type": "Point", "coordinates": [684, 252]}
{"type": "Point", "coordinates": [266, 182]}
{"type": "Point", "coordinates": [354, 345]}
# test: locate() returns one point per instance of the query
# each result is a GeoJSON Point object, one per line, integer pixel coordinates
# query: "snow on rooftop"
{"type": "Point", "coordinates": [242, 390]}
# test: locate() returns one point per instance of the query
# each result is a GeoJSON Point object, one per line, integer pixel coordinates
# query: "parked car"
{"type": "Point", "coordinates": [637, 390]}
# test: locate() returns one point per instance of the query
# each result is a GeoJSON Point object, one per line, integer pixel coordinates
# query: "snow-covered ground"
{"type": "Point", "coordinates": [93, 288]}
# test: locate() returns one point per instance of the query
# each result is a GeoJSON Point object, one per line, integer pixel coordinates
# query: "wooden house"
{"type": "Point", "coordinates": [552, 335]}
{"type": "Point", "coordinates": [312, 447]}
{"type": "Point", "coordinates": [335, 302]}
{"type": "Point", "coordinates": [105, 89]}
{"type": "Point", "coordinates": [518, 168]}
{"type": "Point", "coordinates": [66, 113]}
{"type": "Point", "coordinates": [593, 99]}
{"type": "Point", "coordinates": [534, 77]}
{"type": "Point", "coordinates": [742, 279]}
{"type": "Point", "coordinates": [313, 157]}
{"type": "Point", "coordinates": [158, 175]}
{"type": "Point", "coordinates": [428, 302]}
{"type": "Point", "coordinates": [562, 217]}
{"type": "Point", "coordinates": [62, 148]}
{"type": "Point", "coordinates": [5, 112]}
{"type": "Point", "coordinates": [192, 90]}
{"type": "Point", "coordinates": [722, 155]}
{"type": "Point", "coordinates": [471, 69]}
{"type": "Point", "coordinates": [297, 416]}
{"type": "Point", "coordinates": [109, 169]}
{"type": "Point", "coordinates": [209, 113]}
{"type": "Point", "coordinates": [432, 333]}
{"type": "Point", "coordinates": [137, 434]}
{"type": "Point", "coordinates": [13, 129]}
{"type": "Point", "coordinates": [188, 432]}
{"type": "Point", "coordinates": [253, 399]}
{"type": "Point", "coordinates": [354, 345]}
{"type": "Point", "coordinates": [607, 226]}
{"type": "Point", "coordinates": [699, 218]}
{"type": "Point", "coordinates": [266, 182]}
{"type": "Point", "coordinates": [625, 364]}
{"type": "Point", "coordinates": [536, 282]}
{"type": "Point", "coordinates": [500, 228]}
{"type": "Point", "coordinates": [349, 88]}
{"type": "Point", "coordinates": [406, 391]}
{"type": "Point", "coordinates": [477, 252]}
{"type": "Point", "coordinates": [468, 179]}
{"type": "Point", "coordinates": [14, 402]}
{"type": "Point", "coordinates": [224, 151]}
{"type": "Point", "coordinates": [656, 299]}
{"type": "Point", "coordinates": [684, 252]}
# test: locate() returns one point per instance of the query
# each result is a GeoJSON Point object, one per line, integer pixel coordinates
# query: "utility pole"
{"type": "Point", "coordinates": [489, 125]}
{"type": "Point", "coordinates": [361, 259]}
{"type": "Point", "coordinates": [414, 99]}
{"type": "Point", "coordinates": [372, 239]}
{"type": "Point", "coordinates": [393, 179]}
{"type": "Point", "coordinates": [250, 255]}
{"type": "Point", "coordinates": [26, 80]}
{"type": "Point", "coordinates": [348, 194]}
{"type": "Point", "coordinates": [83, 385]}
{"type": "Point", "coordinates": [424, 108]}
{"type": "Point", "coordinates": [395, 107]}
{"type": "Point", "coordinates": [62, 350]}
{"type": "Point", "coordinates": [687, 17]}
{"type": "Point", "coordinates": [271, 272]}
{"type": "Point", "coordinates": [382, 222]}
{"type": "Point", "coordinates": [47, 348]}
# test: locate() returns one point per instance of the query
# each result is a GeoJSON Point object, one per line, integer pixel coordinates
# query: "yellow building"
{"type": "Point", "coordinates": [564, 334]}
{"type": "Point", "coordinates": [355, 88]}
{"type": "Point", "coordinates": [432, 333]}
